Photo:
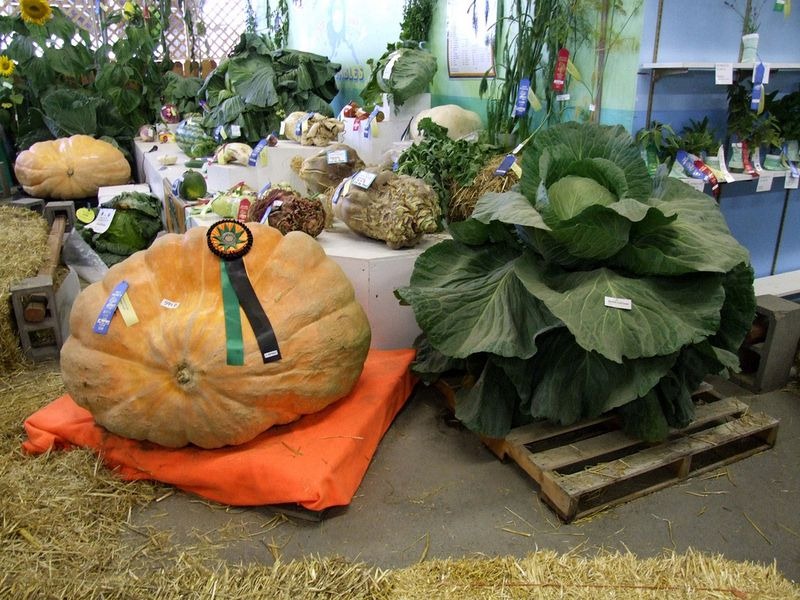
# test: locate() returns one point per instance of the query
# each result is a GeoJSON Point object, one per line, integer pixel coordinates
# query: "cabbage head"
{"type": "Point", "coordinates": [592, 287]}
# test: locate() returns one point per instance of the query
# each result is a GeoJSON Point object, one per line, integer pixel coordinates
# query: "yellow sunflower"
{"type": "Point", "coordinates": [37, 12]}
{"type": "Point", "coordinates": [6, 66]}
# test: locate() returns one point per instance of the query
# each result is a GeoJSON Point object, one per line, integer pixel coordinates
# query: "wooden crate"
{"type": "Point", "coordinates": [586, 467]}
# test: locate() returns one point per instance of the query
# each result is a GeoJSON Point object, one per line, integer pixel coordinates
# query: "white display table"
{"type": "Point", "coordinates": [373, 268]}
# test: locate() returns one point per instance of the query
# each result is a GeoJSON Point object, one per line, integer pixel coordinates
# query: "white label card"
{"type": "Point", "coordinates": [623, 303]}
{"type": "Point", "coordinates": [364, 179]}
{"type": "Point", "coordinates": [169, 303]}
{"type": "Point", "coordinates": [723, 73]}
{"type": "Point", "coordinates": [337, 157]}
{"type": "Point", "coordinates": [790, 183]}
{"type": "Point", "coordinates": [387, 70]}
{"type": "Point", "coordinates": [562, 97]}
{"type": "Point", "coordinates": [764, 183]}
{"type": "Point", "coordinates": [103, 220]}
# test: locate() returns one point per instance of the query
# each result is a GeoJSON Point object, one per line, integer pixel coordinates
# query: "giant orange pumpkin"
{"type": "Point", "coordinates": [166, 378]}
{"type": "Point", "coordinates": [70, 168]}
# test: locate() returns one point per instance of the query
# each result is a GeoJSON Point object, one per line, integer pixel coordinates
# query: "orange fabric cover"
{"type": "Point", "coordinates": [317, 461]}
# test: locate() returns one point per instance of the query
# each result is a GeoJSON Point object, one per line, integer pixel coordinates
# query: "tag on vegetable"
{"type": "Point", "coordinates": [126, 311]}
{"type": "Point", "coordinates": [387, 70]}
{"type": "Point", "coordinates": [504, 166]}
{"type": "Point", "coordinates": [302, 124]}
{"type": "Point", "coordinates": [337, 157]}
{"type": "Point", "coordinates": [169, 303]}
{"type": "Point", "coordinates": [338, 192]}
{"type": "Point", "coordinates": [103, 220]}
{"type": "Point", "coordinates": [622, 303]}
{"type": "Point", "coordinates": [103, 321]}
{"type": "Point", "coordinates": [364, 179]}
{"type": "Point", "coordinates": [85, 215]}
{"type": "Point", "coordinates": [258, 157]}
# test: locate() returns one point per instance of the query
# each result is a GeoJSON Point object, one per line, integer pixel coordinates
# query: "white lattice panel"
{"type": "Point", "coordinates": [224, 21]}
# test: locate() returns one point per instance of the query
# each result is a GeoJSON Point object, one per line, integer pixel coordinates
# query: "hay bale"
{"type": "Point", "coordinates": [23, 246]}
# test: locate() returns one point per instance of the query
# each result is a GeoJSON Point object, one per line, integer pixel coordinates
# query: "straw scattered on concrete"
{"type": "Point", "coordinates": [68, 530]}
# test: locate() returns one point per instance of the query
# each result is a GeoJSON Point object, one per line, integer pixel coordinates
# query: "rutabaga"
{"type": "Point", "coordinates": [397, 209]}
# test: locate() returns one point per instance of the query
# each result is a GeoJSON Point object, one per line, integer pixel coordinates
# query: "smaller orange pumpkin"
{"type": "Point", "coordinates": [70, 168]}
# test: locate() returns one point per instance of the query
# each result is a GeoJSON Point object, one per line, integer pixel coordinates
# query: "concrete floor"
{"type": "Point", "coordinates": [433, 490]}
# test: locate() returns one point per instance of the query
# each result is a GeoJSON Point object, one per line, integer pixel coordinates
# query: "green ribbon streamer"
{"type": "Point", "coordinates": [234, 344]}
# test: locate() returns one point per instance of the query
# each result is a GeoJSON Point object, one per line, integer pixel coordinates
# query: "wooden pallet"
{"type": "Point", "coordinates": [586, 467]}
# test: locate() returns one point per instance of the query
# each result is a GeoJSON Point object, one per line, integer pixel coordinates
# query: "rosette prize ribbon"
{"type": "Point", "coordinates": [231, 240]}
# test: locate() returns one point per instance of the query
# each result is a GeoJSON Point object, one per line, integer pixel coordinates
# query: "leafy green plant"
{"type": "Point", "coordinates": [256, 87]}
{"type": "Point", "coordinates": [787, 113]}
{"type": "Point", "coordinates": [182, 92]}
{"type": "Point", "coordinates": [412, 70]}
{"type": "Point", "coordinates": [746, 124]}
{"type": "Point", "coordinates": [441, 162]}
{"type": "Point", "coordinates": [698, 138]}
{"type": "Point", "coordinates": [66, 86]}
{"type": "Point", "coordinates": [520, 40]}
{"type": "Point", "coordinates": [594, 287]}
{"type": "Point", "coordinates": [658, 143]}
{"type": "Point", "coordinates": [277, 23]}
{"type": "Point", "coordinates": [417, 19]}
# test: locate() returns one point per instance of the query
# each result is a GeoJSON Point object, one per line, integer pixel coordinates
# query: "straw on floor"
{"type": "Point", "coordinates": [67, 531]}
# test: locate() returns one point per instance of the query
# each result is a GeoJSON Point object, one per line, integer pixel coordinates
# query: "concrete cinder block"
{"type": "Point", "coordinates": [35, 204]}
{"type": "Point", "coordinates": [778, 350]}
{"type": "Point", "coordinates": [65, 208]}
{"type": "Point", "coordinates": [59, 304]}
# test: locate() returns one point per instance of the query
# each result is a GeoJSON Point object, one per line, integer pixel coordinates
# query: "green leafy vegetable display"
{"type": "Point", "coordinates": [136, 223]}
{"type": "Point", "coordinates": [401, 72]}
{"type": "Point", "coordinates": [443, 163]}
{"type": "Point", "coordinates": [594, 287]}
{"type": "Point", "coordinates": [256, 87]}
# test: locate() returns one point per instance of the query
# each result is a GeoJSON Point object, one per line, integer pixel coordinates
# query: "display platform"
{"type": "Point", "coordinates": [373, 268]}
{"type": "Point", "coordinates": [276, 169]}
{"type": "Point", "coordinates": [373, 146]}
{"type": "Point", "coordinates": [316, 462]}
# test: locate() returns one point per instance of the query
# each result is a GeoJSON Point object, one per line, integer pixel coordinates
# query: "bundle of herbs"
{"type": "Point", "coordinates": [256, 87]}
{"type": "Point", "coordinates": [442, 163]}
{"type": "Point", "coordinates": [595, 287]}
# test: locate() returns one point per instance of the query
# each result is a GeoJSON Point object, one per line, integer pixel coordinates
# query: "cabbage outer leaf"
{"type": "Point", "coordinates": [469, 300]}
{"type": "Point", "coordinates": [666, 314]}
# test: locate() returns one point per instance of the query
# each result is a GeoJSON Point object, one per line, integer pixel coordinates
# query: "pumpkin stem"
{"type": "Point", "coordinates": [185, 376]}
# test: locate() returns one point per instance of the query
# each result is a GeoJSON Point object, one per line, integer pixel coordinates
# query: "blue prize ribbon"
{"type": "Point", "coordinates": [253, 160]}
{"type": "Point", "coordinates": [508, 161]}
{"type": "Point", "coordinates": [368, 125]}
{"type": "Point", "coordinates": [103, 321]}
{"type": "Point", "coordinates": [687, 162]}
{"type": "Point", "coordinates": [298, 129]}
{"type": "Point", "coordinates": [758, 87]}
{"type": "Point", "coordinates": [521, 107]}
{"type": "Point", "coordinates": [338, 192]}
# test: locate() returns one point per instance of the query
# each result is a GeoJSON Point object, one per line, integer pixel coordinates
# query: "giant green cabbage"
{"type": "Point", "coordinates": [519, 297]}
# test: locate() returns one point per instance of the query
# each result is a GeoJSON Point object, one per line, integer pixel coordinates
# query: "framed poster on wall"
{"type": "Point", "coordinates": [470, 37]}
